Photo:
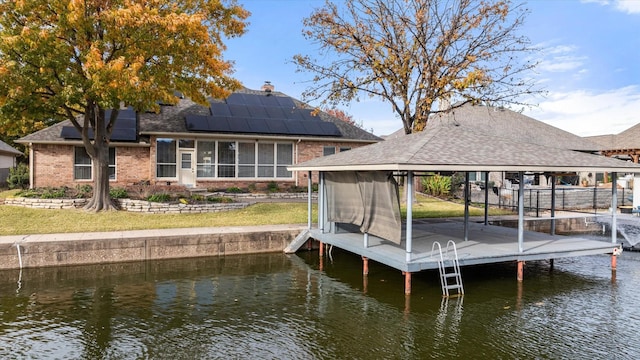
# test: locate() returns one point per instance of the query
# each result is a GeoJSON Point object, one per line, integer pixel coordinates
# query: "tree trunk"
{"type": "Point", "coordinates": [101, 200]}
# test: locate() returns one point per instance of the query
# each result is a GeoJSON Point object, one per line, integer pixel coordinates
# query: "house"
{"type": "Point", "coordinates": [8, 160]}
{"type": "Point", "coordinates": [624, 145]}
{"type": "Point", "coordinates": [508, 124]}
{"type": "Point", "coordinates": [247, 139]}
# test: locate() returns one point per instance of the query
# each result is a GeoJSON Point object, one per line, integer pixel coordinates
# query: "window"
{"type": "Point", "coordinates": [166, 158]}
{"type": "Point", "coordinates": [265, 160]}
{"type": "Point", "coordinates": [226, 159]}
{"type": "Point", "coordinates": [83, 166]}
{"type": "Point", "coordinates": [328, 150]}
{"type": "Point", "coordinates": [344, 148]}
{"type": "Point", "coordinates": [206, 158]}
{"type": "Point", "coordinates": [246, 159]}
{"type": "Point", "coordinates": [285, 158]}
{"type": "Point", "coordinates": [238, 159]}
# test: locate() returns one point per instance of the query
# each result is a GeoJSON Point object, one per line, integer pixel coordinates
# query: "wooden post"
{"type": "Point", "coordinates": [614, 262]}
{"type": "Point", "coordinates": [551, 264]}
{"type": "Point", "coordinates": [520, 270]}
{"type": "Point", "coordinates": [321, 249]}
{"type": "Point", "coordinates": [407, 282]}
{"type": "Point", "coordinates": [365, 266]}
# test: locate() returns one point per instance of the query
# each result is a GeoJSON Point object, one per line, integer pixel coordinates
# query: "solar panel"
{"type": "Point", "coordinates": [295, 127]}
{"type": "Point", "coordinates": [238, 125]}
{"type": "Point", "coordinates": [258, 112]}
{"type": "Point", "coordinates": [124, 135]}
{"type": "Point", "coordinates": [235, 99]}
{"type": "Point", "coordinates": [70, 132]}
{"type": "Point", "coordinates": [276, 113]}
{"type": "Point", "coordinates": [270, 100]}
{"type": "Point", "coordinates": [258, 126]}
{"type": "Point", "coordinates": [220, 109]}
{"type": "Point", "coordinates": [219, 123]}
{"type": "Point", "coordinates": [277, 126]}
{"type": "Point", "coordinates": [197, 123]}
{"type": "Point", "coordinates": [285, 102]}
{"type": "Point", "coordinates": [312, 128]}
{"type": "Point", "coordinates": [125, 128]}
{"type": "Point", "coordinates": [329, 129]}
{"type": "Point", "coordinates": [252, 99]}
{"type": "Point", "coordinates": [239, 110]}
{"type": "Point", "coordinates": [307, 115]}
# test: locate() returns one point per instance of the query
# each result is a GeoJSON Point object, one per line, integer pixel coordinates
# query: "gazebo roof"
{"type": "Point", "coordinates": [454, 148]}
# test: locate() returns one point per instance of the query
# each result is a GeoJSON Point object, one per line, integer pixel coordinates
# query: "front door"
{"type": "Point", "coordinates": [187, 168]}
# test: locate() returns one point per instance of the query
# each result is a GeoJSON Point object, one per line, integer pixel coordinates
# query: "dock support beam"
{"type": "Point", "coordinates": [520, 271]}
{"type": "Point", "coordinates": [553, 204]}
{"type": "Point", "coordinates": [409, 231]}
{"type": "Point", "coordinates": [521, 212]}
{"type": "Point", "coordinates": [365, 266]}
{"type": "Point", "coordinates": [614, 207]}
{"type": "Point", "coordinates": [614, 262]}
{"type": "Point", "coordinates": [309, 201]}
{"type": "Point", "coordinates": [321, 249]}
{"type": "Point", "coordinates": [466, 205]}
{"type": "Point", "coordinates": [407, 282]}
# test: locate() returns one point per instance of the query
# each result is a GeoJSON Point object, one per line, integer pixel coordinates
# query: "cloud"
{"type": "Point", "coordinates": [560, 58]}
{"type": "Point", "coordinates": [587, 113]}
{"type": "Point", "coordinates": [626, 6]}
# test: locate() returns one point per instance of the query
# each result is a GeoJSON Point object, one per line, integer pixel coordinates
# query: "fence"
{"type": "Point", "coordinates": [567, 198]}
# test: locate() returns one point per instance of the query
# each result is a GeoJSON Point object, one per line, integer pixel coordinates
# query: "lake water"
{"type": "Point", "coordinates": [276, 306]}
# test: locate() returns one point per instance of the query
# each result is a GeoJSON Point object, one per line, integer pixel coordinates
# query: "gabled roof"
{"type": "Point", "coordinates": [174, 120]}
{"type": "Point", "coordinates": [456, 148]}
{"type": "Point", "coordinates": [7, 149]}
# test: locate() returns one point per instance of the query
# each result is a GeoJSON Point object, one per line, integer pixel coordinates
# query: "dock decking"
{"type": "Point", "coordinates": [485, 244]}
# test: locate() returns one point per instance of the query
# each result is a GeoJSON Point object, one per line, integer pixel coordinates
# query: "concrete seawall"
{"type": "Point", "coordinates": [138, 245]}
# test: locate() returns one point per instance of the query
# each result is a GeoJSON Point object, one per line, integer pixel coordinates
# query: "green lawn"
{"type": "Point", "coordinates": [18, 220]}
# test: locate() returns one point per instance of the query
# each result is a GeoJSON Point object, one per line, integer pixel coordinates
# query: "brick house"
{"type": "Point", "coordinates": [247, 139]}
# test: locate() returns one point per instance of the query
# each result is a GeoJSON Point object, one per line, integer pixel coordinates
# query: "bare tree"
{"type": "Point", "coordinates": [421, 56]}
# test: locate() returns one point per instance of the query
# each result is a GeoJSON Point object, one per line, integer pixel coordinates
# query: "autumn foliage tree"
{"type": "Point", "coordinates": [74, 59]}
{"type": "Point", "coordinates": [420, 56]}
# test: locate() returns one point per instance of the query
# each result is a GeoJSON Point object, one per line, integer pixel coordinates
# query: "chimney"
{"type": "Point", "coordinates": [267, 87]}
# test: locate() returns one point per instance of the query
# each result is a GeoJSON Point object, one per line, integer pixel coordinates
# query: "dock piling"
{"type": "Point", "coordinates": [520, 271]}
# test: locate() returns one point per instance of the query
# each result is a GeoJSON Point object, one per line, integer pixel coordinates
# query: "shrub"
{"type": "Point", "coordinates": [161, 197]}
{"type": "Point", "coordinates": [53, 193]}
{"type": "Point", "coordinates": [272, 186]}
{"type": "Point", "coordinates": [217, 199]}
{"type": "Point", "coordinates": [197, 197]}
{"type": "Point", "coordinates": [83, 191]}
{"type": "Point", "coordinates": [234, 190]}
{"type": "Point", "coordinates": [118, 193]}
{"type": "Point", "coordinates": [252, 187]}
{"type": "Point", "coordinates": [437, 185]}
{"type": "Point", "coordinates": [18, 177]}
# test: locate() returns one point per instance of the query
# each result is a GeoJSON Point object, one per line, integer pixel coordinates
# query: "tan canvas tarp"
{"type": "Point", "coordinates": [368, 199]}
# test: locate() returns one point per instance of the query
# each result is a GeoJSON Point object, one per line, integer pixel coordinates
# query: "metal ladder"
{"type": "Point", "coordinates": [450, 276]}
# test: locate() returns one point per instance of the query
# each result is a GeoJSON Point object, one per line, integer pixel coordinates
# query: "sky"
{"type": "Point", "coordinates": [589, 62]}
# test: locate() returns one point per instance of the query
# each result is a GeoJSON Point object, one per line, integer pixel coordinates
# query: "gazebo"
{"type": "Point", "coordinates": [358, 201]}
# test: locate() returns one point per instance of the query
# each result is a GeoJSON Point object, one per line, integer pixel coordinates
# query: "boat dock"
{"type": "Point", "coordinates": [485, 244]}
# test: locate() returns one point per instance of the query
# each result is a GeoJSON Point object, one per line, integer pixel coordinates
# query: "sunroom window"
{"type": "Point", "coordinates": [243, 159]}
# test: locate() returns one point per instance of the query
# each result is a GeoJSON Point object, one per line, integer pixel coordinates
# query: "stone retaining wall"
{"type": "Point", "coordinates": [128, 205]}
{"type": "Point", "coordinates": [243, 200]}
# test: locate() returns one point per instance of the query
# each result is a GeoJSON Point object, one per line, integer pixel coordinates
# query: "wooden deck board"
{"type": "Point", "coordinates": [485, 244]}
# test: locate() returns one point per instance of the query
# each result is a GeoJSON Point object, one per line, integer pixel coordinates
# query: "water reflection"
{"type": "Point", "coordinates": [283, 307]}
